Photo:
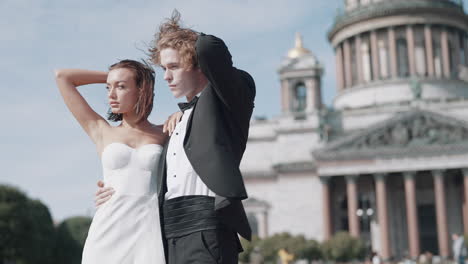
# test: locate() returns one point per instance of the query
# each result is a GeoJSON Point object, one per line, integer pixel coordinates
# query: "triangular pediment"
{"type": "Point", "coordinates": [410, 133]}
{"type": "Point", "coordinates": [306, 62]}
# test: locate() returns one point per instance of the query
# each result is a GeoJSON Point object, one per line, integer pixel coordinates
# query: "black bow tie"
{"type": "Point", "coordinates": [186, 106]}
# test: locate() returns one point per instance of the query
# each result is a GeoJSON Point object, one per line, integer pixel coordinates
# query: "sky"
{"type": "Point", "coordinates": [44, 151]}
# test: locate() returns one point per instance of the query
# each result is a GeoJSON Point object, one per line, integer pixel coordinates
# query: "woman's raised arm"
{"type": "Point", "coordinates": [67, 81]}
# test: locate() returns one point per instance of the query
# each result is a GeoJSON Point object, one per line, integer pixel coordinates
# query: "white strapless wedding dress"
{"type": "Point", "coordinates": [126, 229]}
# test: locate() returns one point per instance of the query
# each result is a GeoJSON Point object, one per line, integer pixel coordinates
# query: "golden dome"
{"type": "Point", "coordinates": [298, 50]}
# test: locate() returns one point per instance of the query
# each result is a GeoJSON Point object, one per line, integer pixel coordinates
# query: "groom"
{"type": "Point", "coordinates": [200, 186]}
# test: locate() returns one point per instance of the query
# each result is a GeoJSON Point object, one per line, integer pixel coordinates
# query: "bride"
{"type": "Point", "coordinates": [126, 229]}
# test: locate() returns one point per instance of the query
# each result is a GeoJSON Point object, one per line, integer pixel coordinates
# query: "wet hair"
{"type": "Point", "coordinates": [172, 35]}
{"type": "Point", "coordinates": [144, 78]}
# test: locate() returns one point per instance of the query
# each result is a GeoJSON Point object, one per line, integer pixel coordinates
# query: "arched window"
{"type": "Point", "coordinates": [253, 222]}
{"type": "Point", "coordinates": [461, 38]}
{"type": "Point", "coordinates": [452, 59]}
{"type": "Point", "coordinates": [300, 97]}
{"type": "Point", "coordinates": [257, 215]}
{"type": "Point", "coordinates": [437, 59]}
{"type": "Point", "coordinates": [420, 51]}
{"type": "Point", "coordinates": [454, 52]}
{"type": "Point", "coordinates": [402, 57]}
{"type": "Point", "coordinates": [437, 51]}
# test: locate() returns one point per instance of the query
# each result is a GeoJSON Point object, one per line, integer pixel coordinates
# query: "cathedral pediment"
{"type": "Point", "coordinates": [304, 166]}
{"type": "Point", "coordinates": [413, 133]}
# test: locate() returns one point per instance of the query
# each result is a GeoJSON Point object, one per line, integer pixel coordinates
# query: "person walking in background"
{"type": "Point", "coordinates": [459, 248]}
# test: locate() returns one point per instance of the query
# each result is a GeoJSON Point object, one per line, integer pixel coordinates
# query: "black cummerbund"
{"type": "Point", "coordinates": [188, 214]}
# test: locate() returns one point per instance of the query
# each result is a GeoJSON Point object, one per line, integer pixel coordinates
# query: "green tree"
{"type": "Point", "coordinates": [270, 246]}
{"type": "Point", "coordinates": [248, 247]}
{"type": "Point", "coordinates": [297, 245]}
{"type": "Point", "coordinates": [26, 228]}
{"type": "Point", "coordinates": [343, 247]}
{"type": "Point", "coordinates": [70, 239]}
{"type": "Point", "coordinates": [42, 237]}
{"type": "Point", "coordinates": [13, 224]}
{"type": "Point", "coordinates": [310, 250]}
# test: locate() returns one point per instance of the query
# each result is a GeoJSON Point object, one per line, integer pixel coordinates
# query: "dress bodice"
{"type": "Point", "coordinates": [126, 228]}
{"type": "Point", "coordinates": [130, 170]}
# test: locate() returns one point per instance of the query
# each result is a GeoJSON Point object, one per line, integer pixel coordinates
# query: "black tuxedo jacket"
{"type": "Point", "coordinates": [217, 132]}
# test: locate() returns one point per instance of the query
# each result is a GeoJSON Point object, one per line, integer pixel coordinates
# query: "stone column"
{"type": "Point", "coordinates": [429, 50]}
{"type": "Point", "coordinates": [445, 53]}
{"type": "Point", "coordinates": [382, 213]}
{"type": "Point", "coordinates": [339, 68]}
{"type": "Point", "coordinates": [392, 52]}
{"type": "Point", "coordinates": [347, 63]}
{"type": "Point", "coordinates": [465, 41]}
{"type": "Point", "coordinates": [326, 204]}
{"type": "Point", "coordinates": [352, 193]}
{"type": "Point", "coordinates": [441, 213]}
{"type": "Point", "coordinates": [311, 96]}
{"type": "Point", "coordinates": [412, 214]}
{"type": "Point", "coordinates": [262, 224]}
{"type": "Point", "coordinates": [465, 194]}
{"type": "Point", "coordinates": [360, 77]}
{"type": "Point", "coordinates": [411, 57]}
{"type": "Point", "coordinates": [285, 99]}
{"type": "Point", "coordinates": [366, 62]}
{"type": "Point", "coordinates": [375, 56]}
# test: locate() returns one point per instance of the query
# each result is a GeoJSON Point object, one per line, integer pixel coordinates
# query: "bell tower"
{"type": "Point", "coordinates": [300, 75]}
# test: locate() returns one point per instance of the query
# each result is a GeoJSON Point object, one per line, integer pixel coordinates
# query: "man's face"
{"type": "Point", "coordinates": [181, 81]}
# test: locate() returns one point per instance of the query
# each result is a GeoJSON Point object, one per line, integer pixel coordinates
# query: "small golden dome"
{"type": "Point", "coordinates": [298, 50]}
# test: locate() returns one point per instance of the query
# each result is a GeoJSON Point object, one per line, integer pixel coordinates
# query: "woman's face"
{"type": "Point", "coordinates": [122, 91]}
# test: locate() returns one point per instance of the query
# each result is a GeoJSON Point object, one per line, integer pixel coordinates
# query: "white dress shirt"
{"type": "Point", "coordinates": [182, 180]}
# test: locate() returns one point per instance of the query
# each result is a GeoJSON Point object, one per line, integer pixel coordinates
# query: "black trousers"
{"type": "Point", "coordinates": [220, 246]}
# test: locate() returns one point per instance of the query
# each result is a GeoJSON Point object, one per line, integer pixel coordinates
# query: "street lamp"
{"type": "Point", "coordinates": [365, 214]}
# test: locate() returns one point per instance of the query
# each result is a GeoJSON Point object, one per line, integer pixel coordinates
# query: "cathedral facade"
{"type": "Point", "coordinates": [388, 161]}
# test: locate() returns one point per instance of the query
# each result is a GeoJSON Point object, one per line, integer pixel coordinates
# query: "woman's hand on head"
{"type": "Point", "coordinates": [171, 122]}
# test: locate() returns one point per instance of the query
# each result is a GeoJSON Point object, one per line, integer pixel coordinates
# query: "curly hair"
{"type": "Point", "coordinates": [144, 78]}
{"type": "Point", "coordinates": [172, 35]}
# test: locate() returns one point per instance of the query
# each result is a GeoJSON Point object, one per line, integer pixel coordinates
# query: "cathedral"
{"type": "Point", "coordinates": [388, 160]}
